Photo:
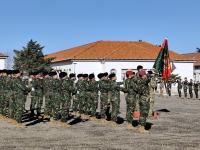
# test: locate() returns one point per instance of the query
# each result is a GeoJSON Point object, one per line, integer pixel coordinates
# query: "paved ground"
{"type": "Point", "coordinates": [178, 129]}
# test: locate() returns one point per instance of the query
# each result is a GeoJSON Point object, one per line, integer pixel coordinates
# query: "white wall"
{"type": "Point", "coordinates": [2, 64]}
{"type": "Point", "coordinates": [182, 68]}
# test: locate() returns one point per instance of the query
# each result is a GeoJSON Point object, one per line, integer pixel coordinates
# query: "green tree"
{"type": "Point", "coordinates": [31, 58]}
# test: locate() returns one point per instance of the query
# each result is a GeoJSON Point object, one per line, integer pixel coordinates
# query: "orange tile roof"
{"type": "Point", "coordinates": [195, 56]}
{"type": "Point", "coordinates": [2, 55]}
{"type": "Point", "coordinates": [114, 50]}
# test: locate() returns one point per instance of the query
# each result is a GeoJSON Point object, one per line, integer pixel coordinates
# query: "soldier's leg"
{"type": "Point", "coordinates": [191, 94]}
{"type": "Point", "coordinates": [179, 93]}
{"type": "Point", "coordinates": [185, 93]}
{"type": "Point", "coordinates": [94, 104]}
{"type": "Point", "coordinates": [19, 108]}
{"type": "Point", "coordinates": [144, 110]}
{"type": "Point", "coordinates": [104, 102]}
{"type": "Point", "coordinates": [196, 93]}
{"type": "Point", "coordinates": [39, 104]}
{"type": "Point", "coordinates": [131, 105]}
{"type": "Point", "coordinates": [33, 103]}
{"type": "Point", "coordinates": [151, 103]}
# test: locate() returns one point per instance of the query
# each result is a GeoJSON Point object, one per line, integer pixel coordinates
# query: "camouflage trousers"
{"type": "Point", "coordinates": [36, 103]}
{"type": "Point", "coordinates": [191, 93]}
{"type": "Point", "coordinates": [52, 105]}
{"type": "Point", "coordinates": [104, 104]}
{"type": "Point", "coordinates": [144, 109]}
{"type": "Point", "coordinates": [92, 102]}
{"type": "Point", "coordinates": [185, 92]}
{"type": "Point", "coordinates": [179, 92]}
{"type": "Point", "coordinates": [130, 106]}
{"type": "Point", "coordinates": [65, 106]}
{"type": "Point", "coordinates": [56, 101]}
{"type": "Point", "coordinates": [12, 107]}
{"type": "Point", "coordinates": [20, 101]}
{"type": "Point", "coordinates": [115, 102]}
{"type": "Point", "coordinates": [48, 109]}
{"type": "Point", "coordinates": [82, 102]}
{"type": "Point", "coordinates": [151, 104]}
{"type": "Point", "coordinates": [196, 93]}
{"type": "Point", "coordinates": [5, 103]}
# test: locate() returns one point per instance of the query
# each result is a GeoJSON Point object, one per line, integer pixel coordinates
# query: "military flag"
{"type": "Point", "coordinates": [162, 63]}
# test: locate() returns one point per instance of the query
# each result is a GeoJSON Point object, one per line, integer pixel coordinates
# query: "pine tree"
{"type": "Point", "coordinates": [31, 58]}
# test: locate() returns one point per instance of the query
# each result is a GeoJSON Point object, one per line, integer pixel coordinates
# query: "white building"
{"type": "Point", "coordinates": [195, 56]}
{"type": "Point", "coordinates": [3, 61]}
{"type": "Point", "coordinates": [104, 56]}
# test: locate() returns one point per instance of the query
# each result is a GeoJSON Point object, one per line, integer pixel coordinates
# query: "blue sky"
{"type": "Point", "coordinates": [61, 24]}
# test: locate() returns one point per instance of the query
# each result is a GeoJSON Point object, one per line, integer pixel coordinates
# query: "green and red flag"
{"type": "Point", "coordinates": [162, 63]}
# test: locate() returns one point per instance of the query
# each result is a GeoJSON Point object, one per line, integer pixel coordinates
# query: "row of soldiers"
{"type": "Point", "coordinates": [185, 86]}
{"type": "Point", "coordinates": [188, 86]}
{"type": "Point", "coordinates": [59, 93]}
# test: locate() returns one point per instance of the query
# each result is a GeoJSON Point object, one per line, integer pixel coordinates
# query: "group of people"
{"type": "Point", "coordinates": [61, 95]}
{"type": "Point", "coordinates": [187, 87]}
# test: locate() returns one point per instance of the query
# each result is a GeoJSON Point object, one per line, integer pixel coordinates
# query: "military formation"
{"type": "Point", "coordinates": [188, 87]}
{"type": "Point", "coordinates": [59, 96]}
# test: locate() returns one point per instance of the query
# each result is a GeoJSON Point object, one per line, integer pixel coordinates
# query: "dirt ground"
{"type": "Point", "coordinates": [177, 129]}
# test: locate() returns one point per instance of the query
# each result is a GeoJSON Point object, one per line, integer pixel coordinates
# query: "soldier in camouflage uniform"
{"type": "Point", "coordinates": [1, 91]}
{"type": "Point", "coordinates": [196, 89]}
{"type": "Point", "coordinates": [12, 102]}
{"type": "Point", "coordinates": [66, 93]}
{"type": "Point", "coordinates": [21, 91]}
{"type": "Point", "coordinates": [169, 86]}
{"type": "Point", "coordinates": [46, 94]}
{"type": "Point", "coordinates": [53, 97]}
{"type": "Point", "coordinates": [130, 89]}
{"type": "Point", "coordinates": [179, 87]}
{"type": "Point", "coordinates": [85, 102]}
{"type": "Point", "coordinates": [114, 97]}
{"type": "Point", "coordinates": [152, 86]}
{"type": "Point", "coordinates": [144, 98]}
{"type": "Point", "coordinates": [7, 93]}
{"type": "Point", "coordinates": [76, 102]}
{"type": "Point", "coordinates": [104, 87]}
{"type": "Point", "coordinates": [185, 87]}
{"type": "Point", "coordinates": [37, 93]}
{"type": "Point", "coordinates": [190, 85]}
{"type": "Point", "coordinates": [161, 87]}
{"type": "Point", "coordinates": [93, 94]}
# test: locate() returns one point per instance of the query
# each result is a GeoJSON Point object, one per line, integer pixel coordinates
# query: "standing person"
{"type": "Point", "coordinates": [185, 87]}
{"type": "Point", "coordinates": [66, 92]}
{"type": "Point", "coordinates": [144, 98]}
{"type": "Point", "coordinates": [196, 89]}
{"type": "Point", "coordinates": [37, 94]}
{"type": "Point", "coordinates": [93, 94]}
{"type": "Point", "coordinates": [130, 89]}
{"type": "Point", "coordinates": [162, 85]}
{"type": "Point", "coordinates": [54, 96]}
{"type": "Point", "coordinates": [76, 100]}
{"type": "Point", "coordinates": [152, 86]}
{"type": "Point", "coordinates": [21, 92]}
{"type": "Point", "coordinates": [169, 87]}
{"type": "Point", "coordinates": [104, 87]}
{"type": "Point", "coordinates": [190, 85]}
{"type": "Point", "coordinates": [179, 87]}
{"type": "Point", "coordinates": [46, 93]}
{"type": "Point", "coordinates": [114, 97]}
